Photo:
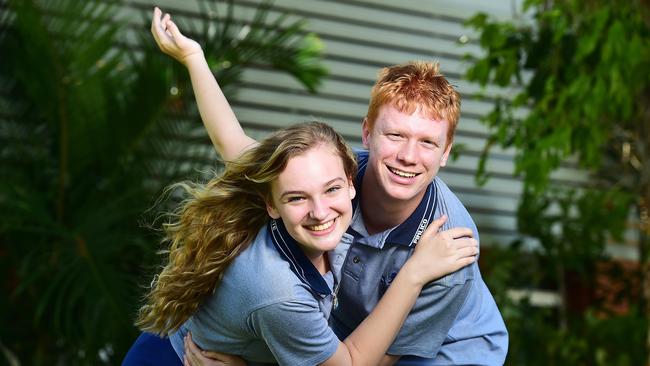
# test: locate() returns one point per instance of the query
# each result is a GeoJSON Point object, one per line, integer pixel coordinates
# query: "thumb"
{"type": "Point", "coordinates": [435, 226]}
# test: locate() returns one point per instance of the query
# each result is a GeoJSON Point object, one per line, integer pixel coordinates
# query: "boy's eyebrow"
{"type": "Point", "coordinates": [302, 192]}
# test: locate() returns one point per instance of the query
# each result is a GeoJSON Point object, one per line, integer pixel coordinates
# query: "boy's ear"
{"type": "Point", "coordinates": [445, 156]}
{"type": "Point", "coordinates": [270, 209]}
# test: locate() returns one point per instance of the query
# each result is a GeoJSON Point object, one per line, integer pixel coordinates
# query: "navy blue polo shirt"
{"type": "Point", "coordinates": [454, 320]}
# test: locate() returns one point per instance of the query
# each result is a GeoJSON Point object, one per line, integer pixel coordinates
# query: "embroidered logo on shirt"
{"type": "Point", "coordinates": [421, 228]}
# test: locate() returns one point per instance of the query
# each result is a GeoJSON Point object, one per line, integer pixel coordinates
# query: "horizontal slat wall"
{"type": "Point", "coordinates": [360, 37]}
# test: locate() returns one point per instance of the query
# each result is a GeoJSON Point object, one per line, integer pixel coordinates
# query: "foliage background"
{"type": "Point", "coordinates": [91, 130]}
{"type": "Point", "coordinates": [581, 68]}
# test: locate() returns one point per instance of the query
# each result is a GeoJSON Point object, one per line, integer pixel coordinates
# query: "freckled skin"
{"type": "Point", "coordinates": [399, 145]}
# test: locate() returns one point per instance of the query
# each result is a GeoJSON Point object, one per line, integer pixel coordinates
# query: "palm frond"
{"type": "Point", "coordinates": [90, 133]}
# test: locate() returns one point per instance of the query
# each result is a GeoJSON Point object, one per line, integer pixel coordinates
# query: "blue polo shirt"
{"type": "Point", "coordinates": [271, 306]}
{"type": "Point", "coordinates": [455, 320]}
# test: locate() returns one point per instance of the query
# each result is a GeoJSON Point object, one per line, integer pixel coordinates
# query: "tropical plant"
{"type": "Point", "coordinates": [580, 68]}
{"type": "Point", "coordinates": [88, 127]}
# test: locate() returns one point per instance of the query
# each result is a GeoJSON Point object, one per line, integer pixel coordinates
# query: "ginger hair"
{"type": "Point", "coordinates": [413, 87]}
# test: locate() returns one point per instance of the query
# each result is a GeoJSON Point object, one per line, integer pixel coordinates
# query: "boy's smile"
{"type": "Point", "coordinates": [406, 152]}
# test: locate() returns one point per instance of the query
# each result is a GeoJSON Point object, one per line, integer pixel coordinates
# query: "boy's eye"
{"type": "Point", "coordinates": [430, 143]}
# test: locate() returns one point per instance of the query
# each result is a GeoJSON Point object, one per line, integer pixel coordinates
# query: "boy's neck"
{"type": "Point", "coordinates": [381, 212]}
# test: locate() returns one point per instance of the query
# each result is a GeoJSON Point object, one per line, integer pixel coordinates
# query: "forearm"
{"type": "Point", "coordinates": [389, 360]}
{"type": "Point", "coordinates": [226, 134]}
{"type": "Point", "coordinates": [370, 340]}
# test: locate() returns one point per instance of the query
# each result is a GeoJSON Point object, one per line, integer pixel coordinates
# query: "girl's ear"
{"type": "Point", "coordinates": [270, 209]}
{"type": "Point", "coordinates": [353, 192]}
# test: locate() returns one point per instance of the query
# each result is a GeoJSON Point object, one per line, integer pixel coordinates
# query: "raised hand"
{"type": "Point", "coordinates": [170, 40]}
{"type": "Point", "coordinates": [439, 253]}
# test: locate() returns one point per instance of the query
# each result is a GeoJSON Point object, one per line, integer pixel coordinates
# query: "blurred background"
{"type": "Point", "coordinates": [550, 157]}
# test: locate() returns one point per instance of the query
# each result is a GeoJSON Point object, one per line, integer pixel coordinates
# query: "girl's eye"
{"type": "Point", "coordinates": [295, 199]}
{"type": "Point", "coordinates": [333, 189]}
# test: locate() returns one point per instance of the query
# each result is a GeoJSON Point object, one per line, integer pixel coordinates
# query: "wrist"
{"type": "Point", "coordinates": [193, 57]}
{"type": "Point", "coordinates": [412, 275]}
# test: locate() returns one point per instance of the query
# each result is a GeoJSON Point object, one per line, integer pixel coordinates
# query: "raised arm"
{"type": "Point", "coordinates": [444, 253]}
{"type": "Point", "coordinates": [226, 134]}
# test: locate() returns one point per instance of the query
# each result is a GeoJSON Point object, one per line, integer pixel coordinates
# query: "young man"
{"type": "Point", "coordinates": [408, 134]}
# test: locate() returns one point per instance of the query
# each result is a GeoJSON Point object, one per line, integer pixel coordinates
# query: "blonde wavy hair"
{"type": "Point", "coordinates": [414, 86]}
{"type": "Point", "coordinates": [220, 219]}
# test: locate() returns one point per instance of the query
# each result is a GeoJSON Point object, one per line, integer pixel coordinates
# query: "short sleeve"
{"type": "Point", "coordinates": [295, 331]}
{"type": "Point", "coordinates": [431, 318]}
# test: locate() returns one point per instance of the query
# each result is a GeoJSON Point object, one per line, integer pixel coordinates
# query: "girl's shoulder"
{"type": "Point", "coordinates": [259, 272]}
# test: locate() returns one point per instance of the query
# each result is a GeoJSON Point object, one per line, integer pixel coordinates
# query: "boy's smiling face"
{"type": "Point", "coordinates": [405, 153]}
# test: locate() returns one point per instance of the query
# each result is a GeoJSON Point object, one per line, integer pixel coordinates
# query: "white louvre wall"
{"type": "Point", "coordinates": [359, 38]}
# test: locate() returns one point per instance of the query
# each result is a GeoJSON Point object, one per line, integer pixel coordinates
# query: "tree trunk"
{"type": "Point", "coordinates": [644, 262]}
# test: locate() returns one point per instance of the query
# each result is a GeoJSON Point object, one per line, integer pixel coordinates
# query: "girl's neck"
{"type": "Point", "coordinates": [319, 259]}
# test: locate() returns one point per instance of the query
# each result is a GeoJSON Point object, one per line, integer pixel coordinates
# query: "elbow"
{"type": "Point", "coordinates": [357, 358]}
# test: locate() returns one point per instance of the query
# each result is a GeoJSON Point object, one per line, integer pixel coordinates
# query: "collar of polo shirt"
{"type": "Point", "coordinates": [290, 251]}
{"type": "Point", "coordinates": [407, 233]}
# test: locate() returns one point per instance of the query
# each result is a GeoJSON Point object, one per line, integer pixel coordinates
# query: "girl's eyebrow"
{"type": "Point", "coordinates": [286, 193]}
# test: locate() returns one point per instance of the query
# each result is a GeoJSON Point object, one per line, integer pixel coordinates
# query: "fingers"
{"type": "Point", "coordinates": [463, 257]}
{"type": "Point", "coordinates": [158, 23]}
{"type": "Point", "coordinates": [155, 21]}
{"type": "Point", "coordinates": [191, 352]}
{"type": "Point", "coordinates": [158, 28]}
{"type": "Point", "coordinates": [464, 243]}
{"type": "Point", "coordinates": [217, 356]}
{"type": "Point", "coordinates": [459, 232]}
{"type": "Point", "coordinates": [462, 262]}
{"type": "Point", "coordinates": [173, 29]}
{"type": "Point", "coordinates": [468, 251]}
{"type": "Point", "coordinates": [435, 226]}
{"type": "Point", "coordinates": [212, 355]}
{"type": "Point", "coordinates": [189, 344]}
{"type": "Point", "coordinates": [454, 233]}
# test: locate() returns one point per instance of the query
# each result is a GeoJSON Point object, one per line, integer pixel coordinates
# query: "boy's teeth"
{"type": "Point", "coordinates": [322, 227]}
{"type": "Point", "coordinates": [402, 174]}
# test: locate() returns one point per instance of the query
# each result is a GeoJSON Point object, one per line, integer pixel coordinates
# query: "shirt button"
{"type": "Point", "coordinates": [356, 259]}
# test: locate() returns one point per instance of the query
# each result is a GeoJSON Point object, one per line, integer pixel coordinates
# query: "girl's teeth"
{"type": "Point", "coordinates": [321, 227]}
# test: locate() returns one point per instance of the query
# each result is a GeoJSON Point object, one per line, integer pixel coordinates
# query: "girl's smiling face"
{"type": "Point", "coordinates": [313, 197]}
